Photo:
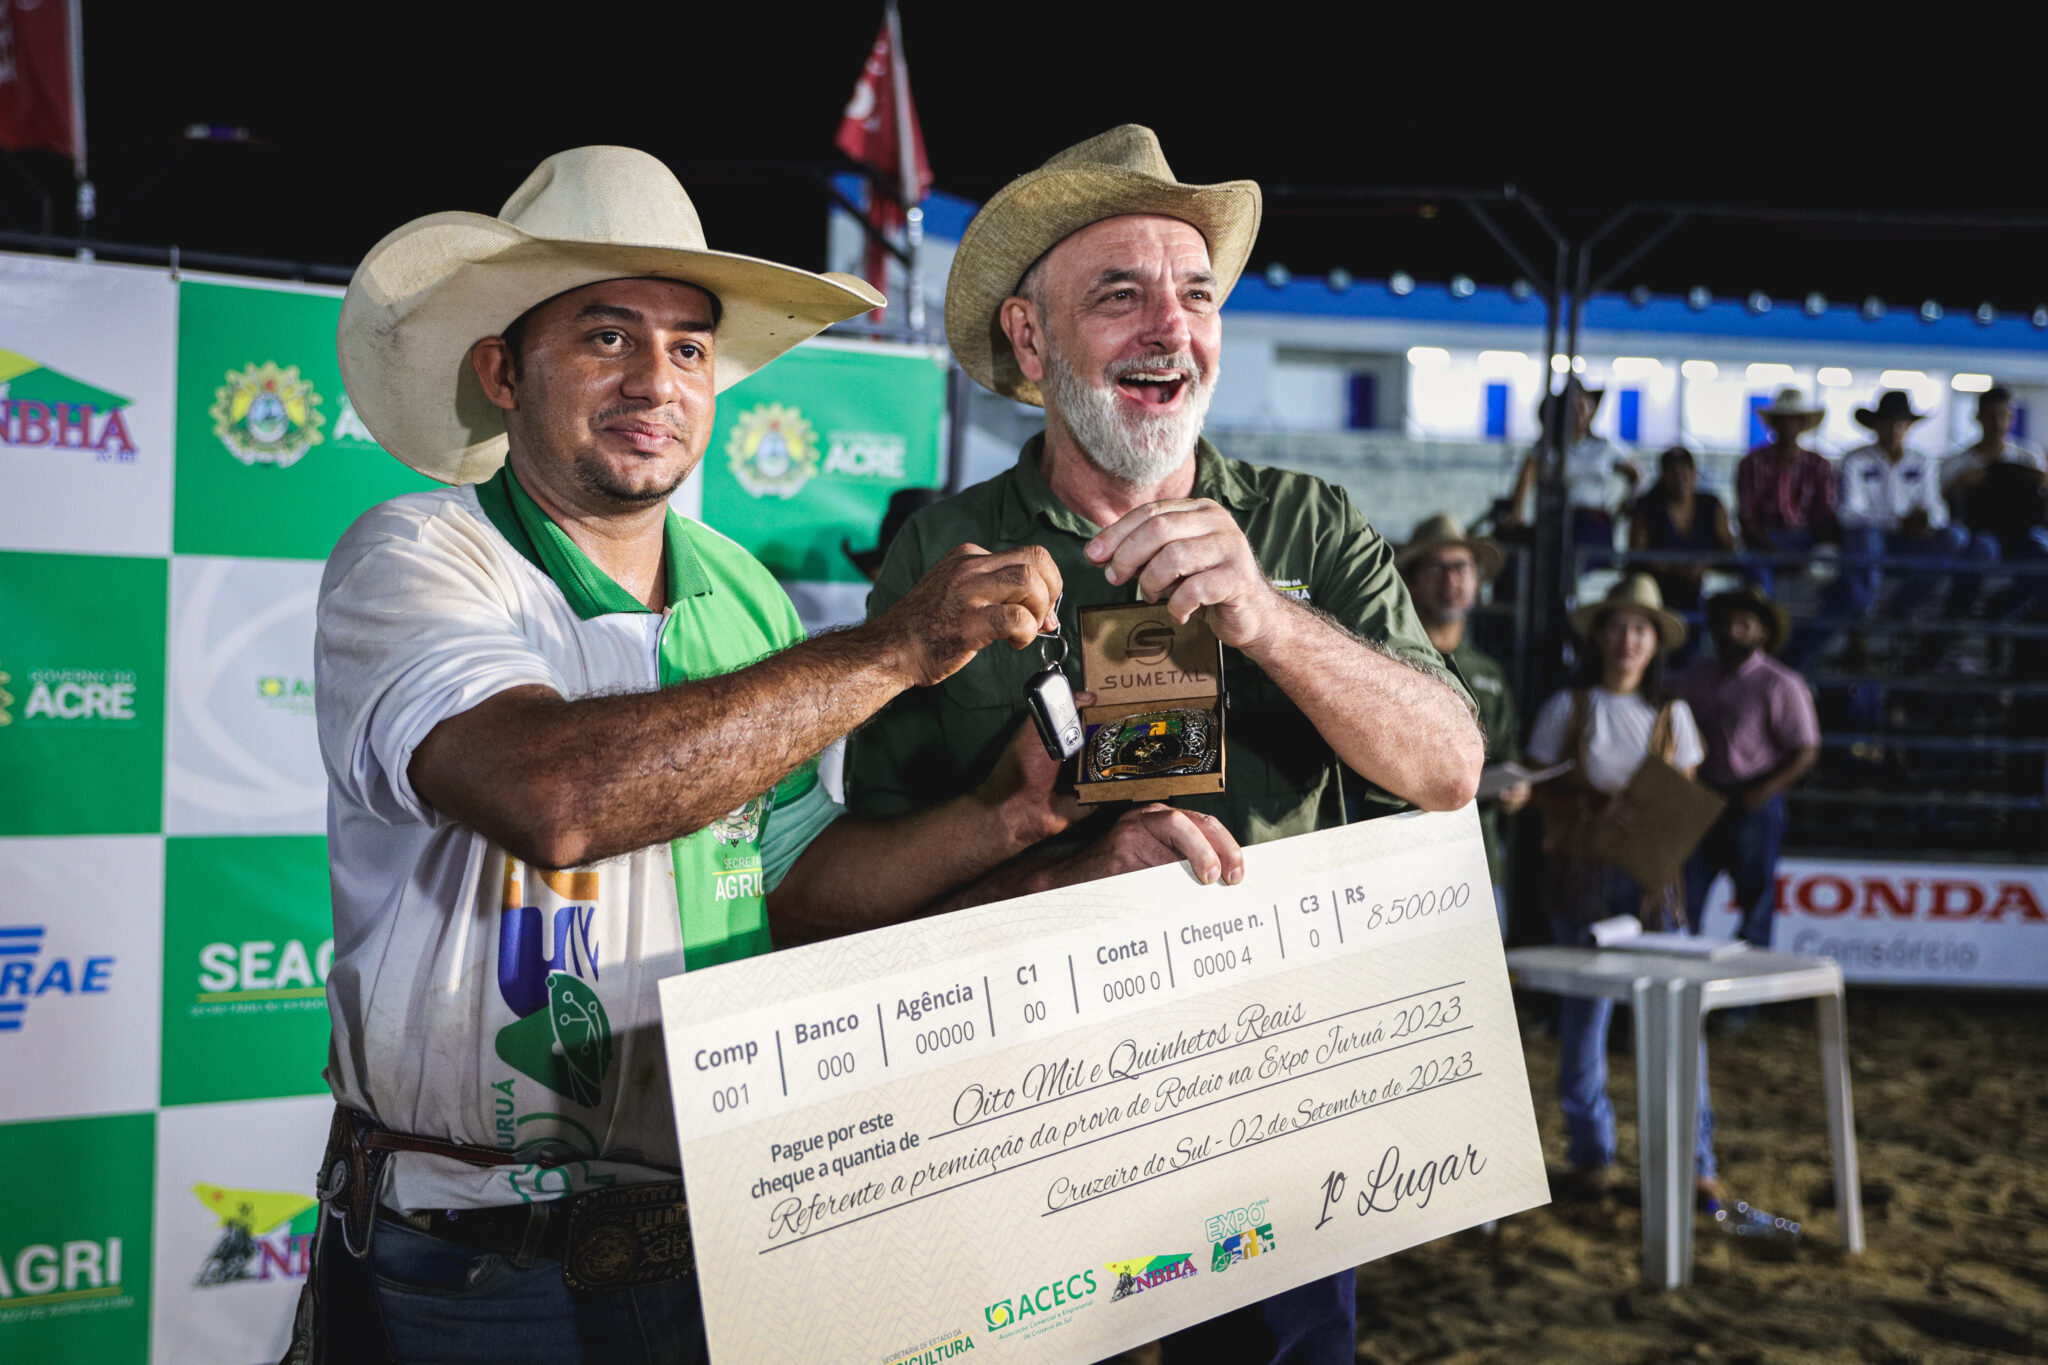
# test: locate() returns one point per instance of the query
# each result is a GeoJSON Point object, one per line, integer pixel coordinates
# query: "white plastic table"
{"type": "Point", "coordinates": [1670, 996]}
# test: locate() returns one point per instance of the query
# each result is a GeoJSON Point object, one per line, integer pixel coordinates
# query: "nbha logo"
{"type": "Point", "coordinates": [265, 1235]}
{"type": "Point", "coordinates": [46, 409]}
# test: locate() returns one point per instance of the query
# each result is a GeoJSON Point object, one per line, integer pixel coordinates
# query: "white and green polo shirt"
{"type": "Point", "coordinates": [474, 997]}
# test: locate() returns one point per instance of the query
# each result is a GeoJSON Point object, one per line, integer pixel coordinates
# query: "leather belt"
{"type": "Point", "coordinates": [605, 1239]}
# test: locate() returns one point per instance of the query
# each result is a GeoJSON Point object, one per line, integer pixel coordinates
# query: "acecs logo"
{"type": "Point", "coordinates": [1044, 1299]}
{"type": "Point", "coordinates": [25, 974]}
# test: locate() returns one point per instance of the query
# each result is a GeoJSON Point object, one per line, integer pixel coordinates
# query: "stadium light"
{"type": "Point", "coordinates": [1462, 287]}
{"type": "Point", "coordinates": [1401, 284]}
{"type": "Point", "coordinates": [1521, 290]}
{"type": "Point", "coordinates": [1578, 364]}
{"type": "Point", "coordinates": [1763, 373]}
{"type": "Point", "coordinates": [1834, 377]}
{"type": "Point", "coordinates": [1700, 369]}
{"type": "Point", "coordinates": [1636, 367]}
{"type": "Point", "coordinates": [1970, 383]}
{"type": "Point", "coordinates": [1986, 314]}
{"type": "Point", "coordinates": [1930, 311]}
{"type": "Point", "coordinates": [1277, 276]}
{"type": "Point", "coordinates": [1698, 297]}
{"type": "Point", "coordinates": [1758, 301]}
{"type": "Point", "coordinates": [1873, 308]}
{"type": "Point", "coordinates": [1902, 379]}
{"type": "Point", "coordinates": [1504, 360]}
{"type": "Point", "coordinates": [1560, 364]}
{"type": "Point", "coordinates": [1640, 295]}
{"type": "Point", "coordinates": [1428, 357]}
{"type": "Point", "coordinates": [1339, 279]}
{"type": "Point", "coordinates": [1816, 304]}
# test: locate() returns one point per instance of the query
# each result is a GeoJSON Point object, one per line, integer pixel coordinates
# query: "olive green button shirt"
{"type": "Point", "coordinates": [1489, 687]}
{"type": "Point", "coordinates": [933, 743]}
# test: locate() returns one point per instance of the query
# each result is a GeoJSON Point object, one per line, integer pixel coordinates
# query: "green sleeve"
{"type": "Point", "coordinates": [1358, 585]}
{"type": "Point", "coordinates": [799, 814]}
{"type": "Point", "coordinates": [905, 738]}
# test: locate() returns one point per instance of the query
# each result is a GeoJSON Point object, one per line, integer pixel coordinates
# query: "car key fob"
{"type": "Point", "coordinates": [1051, 698]}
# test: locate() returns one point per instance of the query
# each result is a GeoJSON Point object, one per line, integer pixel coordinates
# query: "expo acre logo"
{"type": "Point", "coordinates": [46, 409]}
{"type": "Point", "coordinates": [267, 415]}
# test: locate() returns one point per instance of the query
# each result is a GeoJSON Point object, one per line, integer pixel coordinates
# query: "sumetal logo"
{"type": "Point", "coordinates": [1148, 642]}
{"type": "Point", "coordinates": [26, 975]}
{"type": "Point", "coordinates": [46, 409]}
{"type": "Point", "coordinates": [267, 414]}
{"type": "Point", "coordinates": [264, 1235]}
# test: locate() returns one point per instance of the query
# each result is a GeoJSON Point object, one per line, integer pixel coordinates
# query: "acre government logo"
{"type": "Point", "coordinates": [264, 1235]}
{"type": "Point", "coordinates": [27, 975]}
{"type": "Point", "coordinates": [267, 414]}
{"type": "Point", "coordinates": [74, 698]}
{"type": "Point", "coordinates": [773, 452]}
{"type": "Point", "coordinates": [45, 409]}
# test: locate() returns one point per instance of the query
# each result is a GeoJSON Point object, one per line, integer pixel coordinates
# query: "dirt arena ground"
{"type": "Point", "coordinates": [1951, 1095]}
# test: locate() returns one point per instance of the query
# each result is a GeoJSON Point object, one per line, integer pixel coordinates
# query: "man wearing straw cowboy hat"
{"type": "Point", "coordinates": [1785, 493]}
{"type": "Point", "coordinates": [1444, 568]}
{"type": "Point", "coordinates": [1092, 287]}
{"type": "Point", "coordinates": [570, 742]}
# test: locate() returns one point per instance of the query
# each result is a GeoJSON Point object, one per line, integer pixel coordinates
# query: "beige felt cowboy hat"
{"type": "Point", "coordinates": [1790, 409]}
{"type": "Point", "coordinates": [1121, 171]}
{"type": "Point", "coordinates": [1636, 592]}
{"type": "Point", "coordinates": [431, 290]}
{"type": "Point", "coordinates": [1443, 529]}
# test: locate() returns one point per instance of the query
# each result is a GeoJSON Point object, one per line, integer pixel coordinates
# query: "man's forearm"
{"type": "Point", "coordinates": [1391, 723]}
{"type": "Point", "coordinates": [1796, 765]}
{"type": "Point", "coordinates": [578, 781]}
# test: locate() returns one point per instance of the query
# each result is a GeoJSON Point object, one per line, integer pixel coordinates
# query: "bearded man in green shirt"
{"type": "Point", "coordinates": [1093, 287]}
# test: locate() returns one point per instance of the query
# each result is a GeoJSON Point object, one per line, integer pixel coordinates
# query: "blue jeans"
{"type": "Point", "coordinates": [441, 1304]}
{"type": "Point", "coordinates": [1744, 844]}
{"type": "Point", "coordinates": [1856, 589]}
{"type": "Point", "coordinates": [1765, 576]}
{"type": "Point", "coordinates": [1582, 1057]}
{"type": "Point", "coordinates": [1311, 1324]}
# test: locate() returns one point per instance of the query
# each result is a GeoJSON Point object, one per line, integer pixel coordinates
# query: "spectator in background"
{"type": "Point", "coordinates": [1891, 504]}
{"type": "Point", "coordinates": [1996, 486]}
{"type": "Point", "coordinates": [1675, 515]}
{"type": "Point", "coordinates": [1762, 735]}
{"type": "Point", "coordinates": [1613, 717]}
{"type": "Point", "coordinates": [1444, 568]}
{"type": "Point", "coordinates": [1785, 493]}
{"type": "Point", "coordinates": [1591, 464]}
{"type": "Point", "coordinates": [903, 504]}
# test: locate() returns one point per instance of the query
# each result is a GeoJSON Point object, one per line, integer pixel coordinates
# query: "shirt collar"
{"type": "Point", "coordinates": [590, 590]}
{"type": "Point", "coordinates": [1029, 499]}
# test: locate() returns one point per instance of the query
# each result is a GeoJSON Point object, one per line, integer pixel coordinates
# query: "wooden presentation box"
{"type": "Point", "coordinates": [1156, 729]}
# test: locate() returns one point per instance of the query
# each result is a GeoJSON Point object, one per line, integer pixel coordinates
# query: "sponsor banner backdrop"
{"type": "Point", "coordinates": [806, 453]}
{"type": "Point", "coordinates": [234, 1227]}
{"type": "Point", "coordinates": [81, 933]}
{"type": "Point", "coordinates": [248, 937]}
{"type": "Point", "coordinates": [81, 694]}
{"type": "Point", "coordinates": [74, 1240]}
{"type": "Point", "coordinates": [1903, 924]}
{"type": "Point", "coordinates": [85, 406]}
{"type": "Point", "coordinates": [272, 459]}
{"type": "Point", "coordinates": [241, 753]}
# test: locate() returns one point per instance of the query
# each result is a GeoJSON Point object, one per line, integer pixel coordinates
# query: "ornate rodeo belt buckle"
{"type": "Point", "coordinates": [639, 1234]}
{"type": "Point", "coordinates": [1167, 743]}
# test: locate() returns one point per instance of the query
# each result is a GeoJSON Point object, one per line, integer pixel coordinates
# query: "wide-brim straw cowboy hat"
{"type": "Point", "coordinates": [1790, 409]}
{"type": "Point", "coordinates": [1893, 403]}
{"type": "Point", "coordinates": [1442, 530]}
{"type": "Point", "coordinates": [1749, 598]}
{"type": "Point", "coordinates": [431, 290]}
{"type": "Point", "coordinates": [1118, 172]}
{"type": "Point", "coordinates": [1636, 592]}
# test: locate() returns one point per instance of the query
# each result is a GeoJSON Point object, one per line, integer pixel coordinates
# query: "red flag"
{"type": "Point", "coordinates": [42, 95]}
{"type": "Point", "coordinates": [870, 134]}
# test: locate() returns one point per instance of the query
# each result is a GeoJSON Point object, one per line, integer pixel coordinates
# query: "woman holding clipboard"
{"type": "Point", "coordinates": [1613, 717]}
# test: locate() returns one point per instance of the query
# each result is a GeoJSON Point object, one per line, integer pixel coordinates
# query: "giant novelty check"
{"type": "Point", "coordinates": [1056, 1127]}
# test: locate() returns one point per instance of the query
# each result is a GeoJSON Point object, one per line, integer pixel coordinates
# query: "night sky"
{"type": "Point", "coordinates": [359, 124]}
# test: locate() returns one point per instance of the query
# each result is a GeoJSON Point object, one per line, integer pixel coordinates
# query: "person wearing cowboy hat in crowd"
{"type": "Point", "coordinates": [1891, 505]}
{"type": "Point", "coordinates": [1784, 492]}
{"type": "Point", "coordinates": [1093, 287]}
{"type": "Point", "coordinates": [1999, 486]}
{"type": "Point", "coordinates": [1608, 721]}
{"type": "Point", "coordinates": [570, 741]}
{"type": "Point", "coordinates": [1444, 569]}
{"type": "Point", "coordinates": [1762, 734]}
{"type": "Point", "coordinates": [1591, 465]}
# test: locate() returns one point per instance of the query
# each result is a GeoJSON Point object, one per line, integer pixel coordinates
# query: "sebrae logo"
{"type": "Point", "coordinates": [562, 1037]}
{"type": "Point", "coordinates": [773, 451]}
{"type": "Point", "coordinates": [1045, 1305]}
{"type": "Point", "coordinates": [26, 975]}
{"type": "Point", "coordinates": [264, 1235]}
{"type": "Point", "coordinates": [267, 415]}
{"type": "Point", "coordinates": [1149, 1272]}
{"type": "Point", "coordinates": [46, 409]}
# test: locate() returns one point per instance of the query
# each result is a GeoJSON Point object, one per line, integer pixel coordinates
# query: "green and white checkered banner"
{"type": "Point", "coordinates": [176, 459]}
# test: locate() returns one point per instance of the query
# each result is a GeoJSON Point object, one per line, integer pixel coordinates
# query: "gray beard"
{"type": "Point", "coordinates": [1137, 450]}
